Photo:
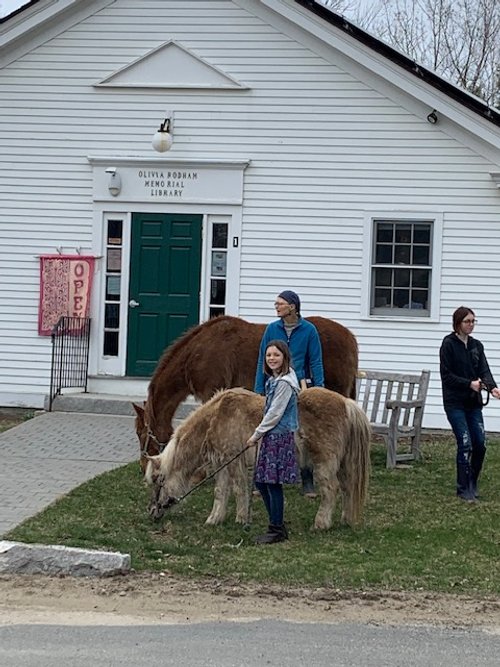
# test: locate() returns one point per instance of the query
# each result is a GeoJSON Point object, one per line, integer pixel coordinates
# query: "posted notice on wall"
{"type": "Point", "coordinates": [65, 288]}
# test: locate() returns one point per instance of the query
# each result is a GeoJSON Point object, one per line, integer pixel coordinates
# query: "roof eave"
{"type": "Point", "coordinates": [456, 93]}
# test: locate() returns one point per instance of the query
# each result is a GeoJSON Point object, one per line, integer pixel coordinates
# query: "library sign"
{"type": "Point", "coordinates": [168, 182]}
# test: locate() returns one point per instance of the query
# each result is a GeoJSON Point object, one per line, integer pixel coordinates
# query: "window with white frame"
{"type": "Point", "coordinates": [401, 267]}
{"type": "Point", "coordinates": [114, 247]}
{"type": "Point", "coordinates": [218, 269]}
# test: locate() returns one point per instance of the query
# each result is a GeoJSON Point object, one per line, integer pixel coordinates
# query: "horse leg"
{"type": "Point", "coordinates": [347, 490]}
{"type": "Point", "coordinates": [222, 489]}
{"type": "Point", "coordinates": [326, 478]}
{"type": "Point", "coordinates": [306, 467]}
{"type": "Point", "coordinates": [241, 491]}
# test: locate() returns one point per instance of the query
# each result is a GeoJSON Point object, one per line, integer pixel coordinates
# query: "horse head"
{"type": "Point", "coordinates": [149, 443]}
{"type": "Point", "coordinates": [166, 484]}
{"type": "Point", "coordinates": [155, 478]}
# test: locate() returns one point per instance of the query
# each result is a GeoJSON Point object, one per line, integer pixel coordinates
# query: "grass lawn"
{"type": "Point", "coordinates": [416, 535]}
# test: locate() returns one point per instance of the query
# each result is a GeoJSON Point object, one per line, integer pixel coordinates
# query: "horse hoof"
{"type": "Point", "coordinates": [310, 494]}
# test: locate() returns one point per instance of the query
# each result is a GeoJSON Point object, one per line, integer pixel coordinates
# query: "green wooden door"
{"type": "Point", "coordinates": [165, 263]}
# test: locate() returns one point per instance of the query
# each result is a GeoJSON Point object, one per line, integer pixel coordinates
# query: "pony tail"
{"type": "Point", "coordinates": [358, 457]}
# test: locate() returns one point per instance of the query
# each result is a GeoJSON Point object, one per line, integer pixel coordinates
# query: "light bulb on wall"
{"type": "Point", "coordinates": [162, 141]}
{"type": "Point", "coordinates": [115, 181]}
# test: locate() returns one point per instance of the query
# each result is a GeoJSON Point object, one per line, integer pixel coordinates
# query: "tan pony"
{"type": "Point", "coordinates": [222, 353]}
{"type": "Point", "coordinates": [334, 433]}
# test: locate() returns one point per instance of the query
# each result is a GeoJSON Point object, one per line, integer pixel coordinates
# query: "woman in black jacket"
{"type": "Point", "coordinates": [464, 372]}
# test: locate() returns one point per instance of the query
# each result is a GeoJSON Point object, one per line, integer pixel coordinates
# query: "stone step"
{"type": "Point", "coordinates": [109, 404]}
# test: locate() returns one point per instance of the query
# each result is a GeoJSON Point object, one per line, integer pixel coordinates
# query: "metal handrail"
{"type": "Point", "coordinates": [70, 355]}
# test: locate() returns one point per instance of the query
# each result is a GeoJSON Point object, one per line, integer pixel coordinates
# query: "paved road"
{"type": "Point", "coordinates": [258, 643]}
{"type": "Point", "coordinates": [52, 453]}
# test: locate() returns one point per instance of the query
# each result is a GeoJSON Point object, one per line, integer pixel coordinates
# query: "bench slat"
{"type": "Point", "coordinates": [394, 404]}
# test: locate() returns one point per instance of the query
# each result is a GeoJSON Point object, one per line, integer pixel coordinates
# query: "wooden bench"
{"type": "Point", "coordinates": [394, 403]}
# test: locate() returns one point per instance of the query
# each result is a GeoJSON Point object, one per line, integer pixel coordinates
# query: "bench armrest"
{"type": "Point", "coordinates": [393, 404]}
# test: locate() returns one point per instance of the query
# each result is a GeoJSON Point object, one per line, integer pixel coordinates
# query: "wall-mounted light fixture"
{"type": "Point", "coordinates": [432, 117]}
{"type": "Point", "coordinates": [114, 182]}
{"type": "Point", "coordinates": [162, 141]}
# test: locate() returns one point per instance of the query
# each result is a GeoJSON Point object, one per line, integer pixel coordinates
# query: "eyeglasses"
{"type": "Point", "coordinates": [469, 321]}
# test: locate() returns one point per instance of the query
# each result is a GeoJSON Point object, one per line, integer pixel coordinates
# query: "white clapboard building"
{"type": "Point", "coordinates": [306, 154]}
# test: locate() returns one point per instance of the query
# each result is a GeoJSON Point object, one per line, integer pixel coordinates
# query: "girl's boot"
{"type": "Point", "coordinates": [274, 534]}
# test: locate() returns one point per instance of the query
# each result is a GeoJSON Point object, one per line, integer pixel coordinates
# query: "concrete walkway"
{"type": "Point", "coordinates": [47, 456]}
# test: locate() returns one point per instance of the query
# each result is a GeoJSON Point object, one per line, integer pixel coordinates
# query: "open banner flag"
{"type": "Point", "coordinates": [65, 287]}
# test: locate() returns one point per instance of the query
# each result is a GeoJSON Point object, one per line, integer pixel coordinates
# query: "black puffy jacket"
{"type": "Point", "coordinates": [459, 365]}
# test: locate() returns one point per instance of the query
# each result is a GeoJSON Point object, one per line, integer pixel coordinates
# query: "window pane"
{"type": "Point", "coordinates": [383, 254]}
{"type": "Point", "coordinates": [111, 343]}
{"type": "Point", "coordinates": [419, 298]}
{"type": "Point", "coordinates": [420, 278]}
{"type": "Point", "coordinates": [382, 298]}
{"type": "Point", "coordinates": [114, 260]}
{"type": "Point", "coordinates": [218, 263]}
{"type": "Point", "coordinates": [402, 254]}
{"type": "Point", "coordinates": [112, 315]}
{"type": "Point", "coordinates": [401, 298]}
{"type": "Point", "coordinates": [383, 277]}
{"type": "Point", "coordinates": [402, 277]}
{"type": "Point", "coordinates": [115, 232]}
{"type": "Point", "coordinates": [219, 235]}
{"type": "Point", "coordinates": [113, 288]}
{"type": "Point", "coordinates": [385, 232]}
{"type": "Point", "coordinates": [422, 234]}
{"type": "Point", "coordinates": [214, 312]}
{"type": "Point", "coordinates": [421, 255]}
{"type": "Point", "coordinates": [218, 292]}
{"type": "Point", "coordinates": [403, 233]}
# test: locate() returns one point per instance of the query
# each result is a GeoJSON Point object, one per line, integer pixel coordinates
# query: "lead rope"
{"type": "Point", "coordinates": [484, 387]}
{"type": "Point", "coordinates": [174, 501]}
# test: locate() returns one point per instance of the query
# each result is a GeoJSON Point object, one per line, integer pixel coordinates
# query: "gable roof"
{"type": "Point", "coordinates": [397, 57]}
{"type": "Point", "coordinates": [19, 33]}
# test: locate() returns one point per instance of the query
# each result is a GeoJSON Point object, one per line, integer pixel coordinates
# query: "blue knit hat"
{"type": "Point", "coordinates": [292, 298]}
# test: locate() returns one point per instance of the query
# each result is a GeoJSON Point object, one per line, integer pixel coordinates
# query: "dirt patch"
{"type": "Point", "coordinates": [161, 598]}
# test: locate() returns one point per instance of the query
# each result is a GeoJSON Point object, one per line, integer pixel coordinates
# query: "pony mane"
{"type": "Point", "coordinates": [177, 347]}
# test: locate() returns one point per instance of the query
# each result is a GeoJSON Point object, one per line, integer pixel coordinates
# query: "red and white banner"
{"type": "Point", "coordinates": [65, 288]}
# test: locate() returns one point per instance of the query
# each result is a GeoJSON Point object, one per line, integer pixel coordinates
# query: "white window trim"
{"type": "Point", "coordinates": [437, 236]}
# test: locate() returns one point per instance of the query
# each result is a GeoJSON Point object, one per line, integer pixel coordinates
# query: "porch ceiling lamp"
{"type": "Point", "coordinates": [162, 141]}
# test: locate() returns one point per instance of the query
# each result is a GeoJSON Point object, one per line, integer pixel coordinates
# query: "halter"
{"type": "Point", "coordinates": [171, 500]}
{"type": "Point", "coordinates": [151, 436]}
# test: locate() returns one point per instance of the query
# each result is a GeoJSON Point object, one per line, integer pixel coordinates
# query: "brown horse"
{"type": "Point", "coordinates": [223, 353]}
{"type": "Point", "coordinates": [334, 434]}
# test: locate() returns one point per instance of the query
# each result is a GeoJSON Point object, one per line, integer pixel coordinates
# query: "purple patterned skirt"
{"type": "Point", "coordinates": [277, 463]}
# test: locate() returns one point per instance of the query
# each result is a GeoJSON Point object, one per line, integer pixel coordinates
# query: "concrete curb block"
{"type": "Point", "coordinates": [20, 558]}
